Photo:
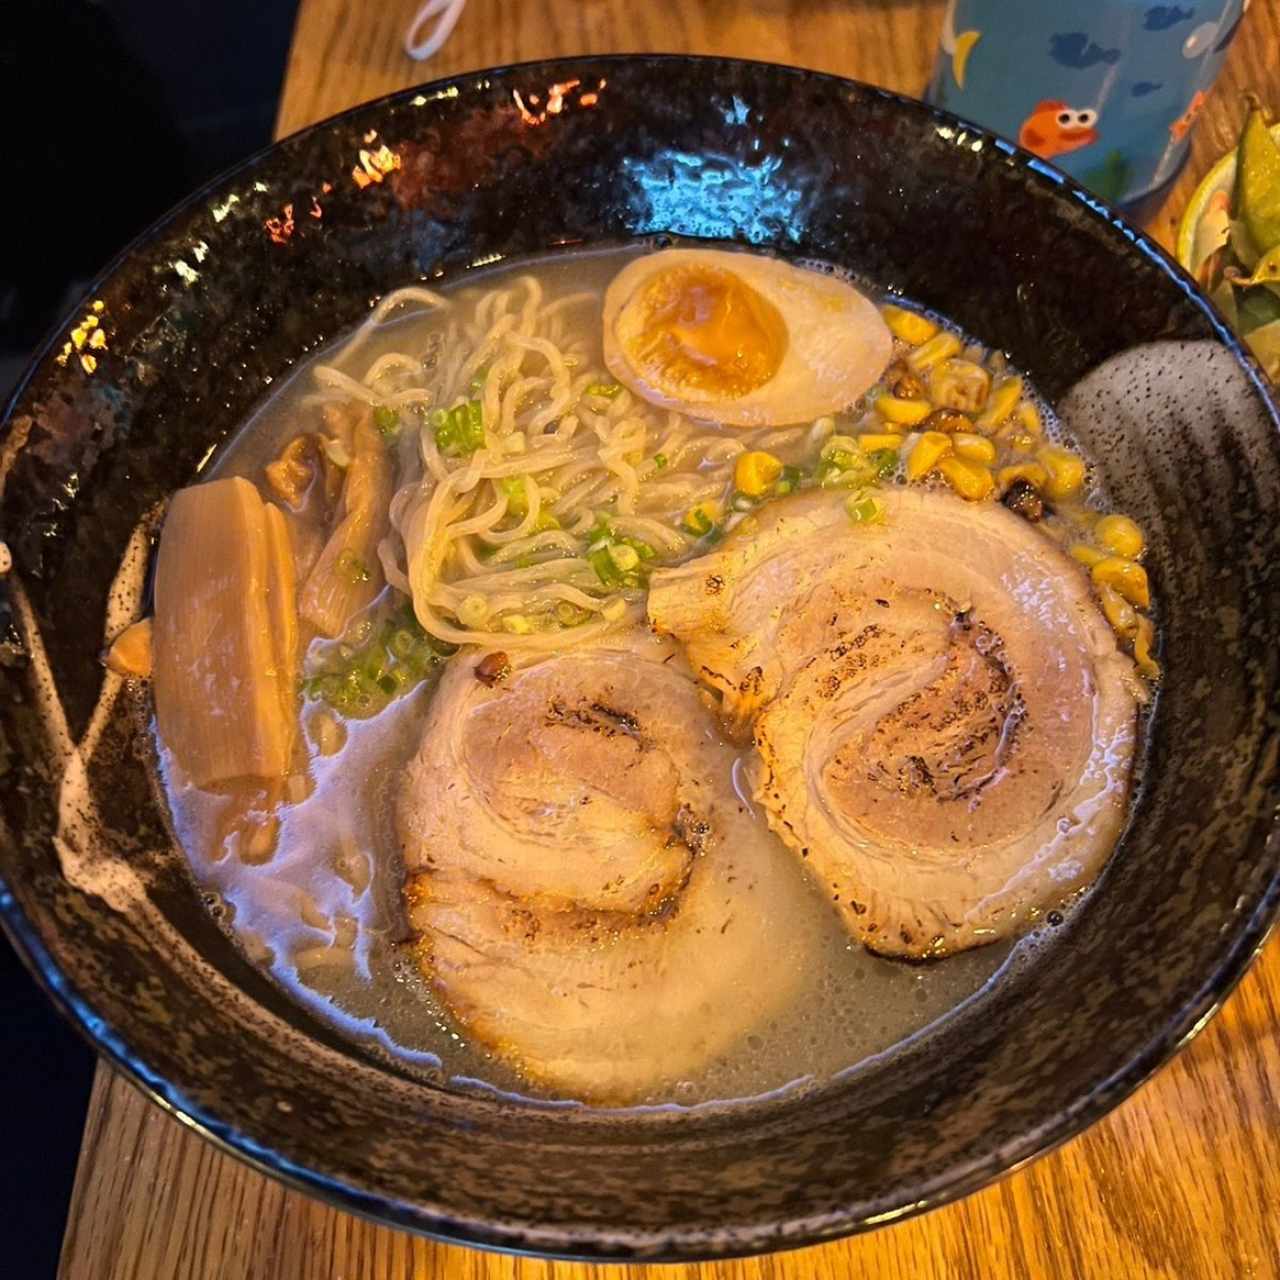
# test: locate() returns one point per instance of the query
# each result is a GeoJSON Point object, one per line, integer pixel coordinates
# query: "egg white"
{"type": "Point", "coordinates": [837, 343]}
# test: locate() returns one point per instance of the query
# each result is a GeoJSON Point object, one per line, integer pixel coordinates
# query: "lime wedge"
{"type": "Point", "coordinates": [1221, 177]}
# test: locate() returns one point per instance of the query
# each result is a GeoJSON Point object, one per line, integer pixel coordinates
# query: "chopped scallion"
{"type": "Point", "coordinates": [459, 430]}
{"type": "Point", "coordinates": [353, 568]}
{"type": "Point", "coordinates": [698, 522]}
{"type": "Point", "coordinates": [517, 494]}
{"type": "Point", "coordinates": [885, 462]}
{"type": "Point", "coordinates": [863, 508]}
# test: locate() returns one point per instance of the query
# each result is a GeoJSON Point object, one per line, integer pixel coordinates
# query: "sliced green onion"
{"type": "Point", "coordinates": [698, 522]}
{"type": "Point", "coordinates": [402, 643]}
{"type": "Point", "coordinates": [863, 508]}
{"type": "Point", "coordinates": [386, 419]}
{"type": "Point", "coordinates": [353, 568]}
{"type": "Point", "coordinates": [571, 615]}
{"type": "Point", "coordinates": [459, 430]}
{"type": "Point", "coordinates": [884, 461]}
{"type": "Point", "coordinates": [659, 460]}
{"type": "Point", "coordinates": [517, 493]}
{"type": "Point", "coordinates": [788, 480]}
{"type": "Point", "coordinates": [602, 562]}
{"type": "Point", "coordinates": [624, 557]}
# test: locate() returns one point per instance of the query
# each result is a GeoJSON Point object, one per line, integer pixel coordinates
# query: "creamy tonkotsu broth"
{"type": "Point", "coordinates": [439, 728]}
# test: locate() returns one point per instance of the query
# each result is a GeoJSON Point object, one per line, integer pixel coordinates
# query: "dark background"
{"type": "Point", "coordinates": [109, 113]}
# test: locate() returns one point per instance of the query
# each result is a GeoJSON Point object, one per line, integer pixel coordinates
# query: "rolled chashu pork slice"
{"type": "Point", "coordinates": [591, 898]}
{"type": "Point", "coordinates": [943, 725]}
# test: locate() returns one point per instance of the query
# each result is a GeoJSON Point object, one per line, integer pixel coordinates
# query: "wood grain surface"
{"type": "Point", "coordinates": [1180, 1183]}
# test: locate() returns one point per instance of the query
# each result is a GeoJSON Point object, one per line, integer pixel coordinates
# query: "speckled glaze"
{"type": "Point", "coordinates": [292, 248]}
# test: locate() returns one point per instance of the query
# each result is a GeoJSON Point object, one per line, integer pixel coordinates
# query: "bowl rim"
{"type": "Point", "coordinates": [589, 1242]}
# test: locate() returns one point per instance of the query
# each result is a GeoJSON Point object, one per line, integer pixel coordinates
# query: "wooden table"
{"type": "Point", "coordinates": [1182, 1181]}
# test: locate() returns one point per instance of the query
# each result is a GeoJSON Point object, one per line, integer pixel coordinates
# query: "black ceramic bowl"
{"type": "Point", "coordinates": [291, 249]}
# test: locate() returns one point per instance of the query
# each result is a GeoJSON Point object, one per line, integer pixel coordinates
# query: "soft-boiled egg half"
{"type": "Point", "coordinates": [746, 340]}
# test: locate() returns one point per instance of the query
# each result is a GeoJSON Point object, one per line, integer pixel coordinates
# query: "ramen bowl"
{"type": "Point", "coordinates": [180, 339]}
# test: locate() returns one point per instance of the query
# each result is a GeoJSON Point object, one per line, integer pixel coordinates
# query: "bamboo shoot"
{"type": "Point", "coordinates": [226, 635]}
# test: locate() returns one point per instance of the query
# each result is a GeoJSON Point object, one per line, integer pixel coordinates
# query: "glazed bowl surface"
{"type": "Point", "coordinates": [217, 302]}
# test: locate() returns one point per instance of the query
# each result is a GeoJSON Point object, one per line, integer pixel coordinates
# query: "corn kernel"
{"type": "Point", "coordinates": [1142, 643]}
{"type": "Point", "coordinates": [882, 440]}
{"type": "Point", "coordinates": [701, 517]}
{"type": "Point", "coordinates": [1029, 418]}
{"type": "Point", "coordinates": [970, 480]}
{"type": "Point", "coordinates": [1066, 471]}
{"type": "Point", "coordinates": [904, 412]}
{"type": "Point", "coordinates": [130, 652]}
{"type": "Point", "coordinates": [940, 347]}
{"type": "Point", "coordinates": [931, 446]}
{"type": "Point", "coordinates": [754, 472]}
{"type": "Point", "coordinates": [1118, 611]}
{"type": "Point", "coordinates": [1087, 555]}
{"type": "Point", "coordinates": [974, 448]}
{"type": "Point", "coordinates": [1120, 535]}
{"type": "Point", "coordinates": [1004, 396]}
{"type": "Point", "coordinates": [1127, 577]}
{"type": "Point", "coordinates": [908, 325]}
{"type": "Point", "coordinates": [959, 384]}
{"type": "Point", "coordinates": [1031, 472]}
{"type": "Point", "coordinates": [624, 558]}
{"type": "Point", "coordinates": [473, 611]}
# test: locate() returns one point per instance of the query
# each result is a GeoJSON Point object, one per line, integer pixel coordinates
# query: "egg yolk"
{"type": "Point", "coordinates": [702, 327]}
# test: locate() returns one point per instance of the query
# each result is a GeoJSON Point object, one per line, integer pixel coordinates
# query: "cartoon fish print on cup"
{"type": "Point", "coordinates": [1054, 129]}
{"type": "Point", "coordinates": [958, 47]}
{"type": "Point", "coordinates": [1110, 91]}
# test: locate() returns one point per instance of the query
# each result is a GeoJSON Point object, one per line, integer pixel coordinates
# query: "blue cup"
{"type": "Point", "coordinates": [1108, 90]}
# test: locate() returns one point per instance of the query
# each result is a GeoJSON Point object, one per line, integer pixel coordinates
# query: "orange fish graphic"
{"type": "Point", "coordinates": [1054, 128]}
{"type": "Point", "coordinates": [1183, 124]}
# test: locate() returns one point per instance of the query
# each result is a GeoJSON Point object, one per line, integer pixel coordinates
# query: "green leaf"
{"type": "Point", "coordinates": [1264, 342]}
{"type": "Point", "coordinates": [1267, 270]}
{"type": "Point", "coordinates": [1257, 307]}
{"type": "Point", "coordinates": [1258, 182]}
{"type": "Point", "coordinates": [1224, 298]}
{"type": "Point", "coordinates": [1243, 246]}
